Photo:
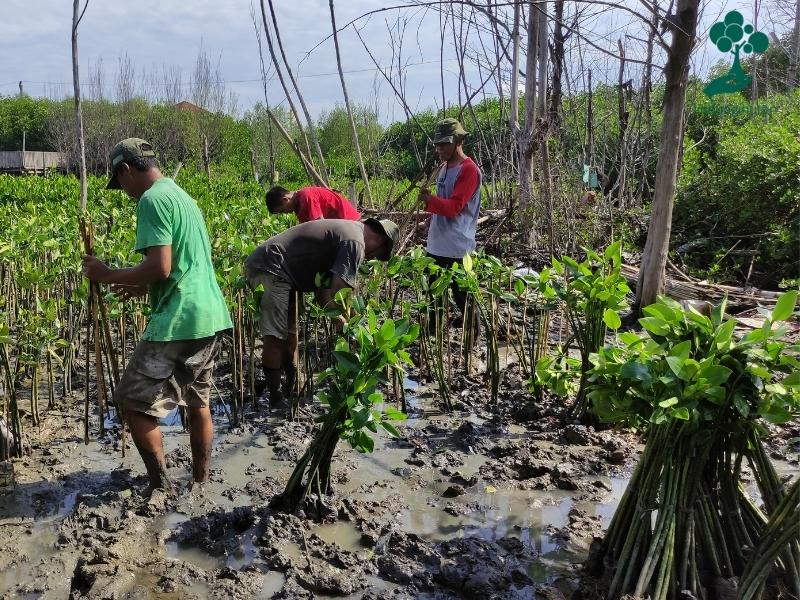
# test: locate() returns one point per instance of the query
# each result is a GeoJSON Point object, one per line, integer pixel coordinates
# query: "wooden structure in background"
{"type": "Point", "coordinates": [31, 162]}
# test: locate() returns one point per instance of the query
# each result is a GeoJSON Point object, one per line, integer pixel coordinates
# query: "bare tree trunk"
{"type": "Point", "coordinates": [303, 156]}
{"type": "Point", "coordinates": [754, 64]}
{"type": "Point", "coordinates": [77, 15]}
{"type": "Point", "coordinates": [622, 138]}
{"type": "Point", "coordinates": [349, 109]}
{"type": "Point", "coordinates": [254, 165]}
{"type": "Point", "coordinates": [309, 121]}
{"type": "Point", "coordinates": [557, 60]}
{"type": "Point", "coordinates": [514, 116]}
{"type": "Point", "coordinates": [297, 150]}
{"type": "Point", "coordinates": [206, 158]}
{"type": "Point", "coordinates": [645, 149]}
{"type": "Point", "coordinates": [654, 257]}
{"type": "Point", "coordinates": [588, 154]}
{"type": "Point", "coordinates": [794, 49]}
{"type": "Point", "coordinates": [287, 93]}
{"type": "Point", "coordinates": [524, 135]}
{"type": "Point", "coordinates": [542, 55]}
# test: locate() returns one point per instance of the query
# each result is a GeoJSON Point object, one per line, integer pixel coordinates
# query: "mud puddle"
{"type": "Point", "coordinates": [77, 523]}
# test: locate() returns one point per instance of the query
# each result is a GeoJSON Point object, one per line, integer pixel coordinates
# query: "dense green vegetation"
{"type": "Point", "coordinates": [738, 204]}
{"type": "Point", "coordinates": [736, 212]}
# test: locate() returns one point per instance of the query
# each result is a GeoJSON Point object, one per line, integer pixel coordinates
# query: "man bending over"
{"type": "Point", "coordinates": [291, 261]}
{"type": "Point", "coordinates": [310, 204]}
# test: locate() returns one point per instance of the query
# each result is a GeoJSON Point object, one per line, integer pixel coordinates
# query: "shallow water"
{"type": "Point", "coordinates": [502, 511]}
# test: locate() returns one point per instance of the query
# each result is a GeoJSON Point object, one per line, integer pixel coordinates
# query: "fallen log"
{"type": "Point", "coordinates": [702, 290]}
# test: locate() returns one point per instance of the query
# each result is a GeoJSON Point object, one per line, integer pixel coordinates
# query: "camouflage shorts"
{"type": "Point", "coordinates": [163, 375]}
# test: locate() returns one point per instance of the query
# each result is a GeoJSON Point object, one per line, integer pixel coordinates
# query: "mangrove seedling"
{"type": "Point", "coordinates": [702, 396]}
{"type": "Point", "coordinates": [593, 293]}
{"type": "Point", "coordinates": [353, 399]}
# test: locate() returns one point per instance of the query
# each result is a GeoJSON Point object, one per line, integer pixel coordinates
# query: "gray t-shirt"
{"type": "Point", "coordinates": [454, 237]}
{"type": "Point", "coordinates": [299, 253]}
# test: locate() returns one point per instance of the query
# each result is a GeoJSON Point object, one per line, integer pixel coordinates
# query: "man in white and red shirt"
{"type": "Point", "coordinates": [454, 208]}
{"type": "Point", "coordinates": [311, 203]}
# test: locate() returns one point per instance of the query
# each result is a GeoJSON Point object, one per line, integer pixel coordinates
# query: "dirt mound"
{"type": "Point", "coordinates": [469, 567]}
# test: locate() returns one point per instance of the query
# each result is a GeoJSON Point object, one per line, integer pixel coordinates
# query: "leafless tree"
{"type": "Point", "coordinates": [125, 82]}
{"type": "Point", "coordinates": [794, 49]}
{"type": "Point", "coordinates": [302, 153]}
{"type": "Point", "coordinates": [309, 121]}
{"type": "Point", "coordinates": [683, 25]}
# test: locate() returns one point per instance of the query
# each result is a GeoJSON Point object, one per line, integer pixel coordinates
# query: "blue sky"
{"type": "Point", "coordinates": [35, 46]}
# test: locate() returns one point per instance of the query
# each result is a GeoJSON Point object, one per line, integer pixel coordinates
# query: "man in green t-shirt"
{"type": "Point", "coordinates": [174, 361]}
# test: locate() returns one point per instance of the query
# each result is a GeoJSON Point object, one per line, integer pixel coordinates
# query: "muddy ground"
{"type": "Point", "coordinates": [486, 502]}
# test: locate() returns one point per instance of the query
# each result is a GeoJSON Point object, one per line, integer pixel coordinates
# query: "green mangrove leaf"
{"type": "Point", "coordinates": [724, 334]}
{"type": "Point", "coordinates": [792, 379]}
{"type": "Point", "coordinates": [715, 374]}
{"type": "Point", "coordinates": [681, 413]}
{"type": "Point", "coordinates": [741, 405]}
{"type": "Point", "coordinates": [347, 360]}
{"type": "Point", "coordinates": [785, 306]}
{"type": "Point", "coordinates": [393, 431]}
{"type": "Point", "coordinates": [390, 412]}
{"type": "Point", "coordinates": [654, 325]}
{"type": "Point", "coordinates": [611, 319]}
{"type": "Point", "coordinates": [637, 371]}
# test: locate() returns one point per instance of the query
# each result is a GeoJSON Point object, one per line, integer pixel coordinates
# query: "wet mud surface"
{"type": "Point", "coordinates": [486, 502]}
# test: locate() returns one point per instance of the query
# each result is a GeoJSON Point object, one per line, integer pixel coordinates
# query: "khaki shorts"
{"type": "Point", "coordinates": [278, 305]}
{"type": "Point", "coordinates": [163, 375]}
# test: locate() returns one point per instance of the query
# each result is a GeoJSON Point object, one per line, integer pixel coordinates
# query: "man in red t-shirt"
{"type": "Point", "coordinates": [311, 203]}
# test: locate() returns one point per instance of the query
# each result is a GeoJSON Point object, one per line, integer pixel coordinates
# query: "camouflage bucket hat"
{"type": "Point", "coordinates": [447, 130]}
{"type": "Point", "coordinates": [391, 232]}
{"type": "Point", "coordinates": [127, 149]}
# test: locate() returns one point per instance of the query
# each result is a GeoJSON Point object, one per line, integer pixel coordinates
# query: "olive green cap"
{"type": "Point", "coordinates": [127, 149]}
{"type": "Point", "coordinates": [447, 130]}
{"type": "Point", "coordinates": [391, 232]}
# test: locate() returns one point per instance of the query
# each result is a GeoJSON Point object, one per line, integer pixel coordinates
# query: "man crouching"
{"type": "Point", "coordinates": [289, 262]}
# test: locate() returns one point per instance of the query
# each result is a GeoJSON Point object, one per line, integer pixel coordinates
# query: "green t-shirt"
{"type": "Point", "coordinates": [189, 304]}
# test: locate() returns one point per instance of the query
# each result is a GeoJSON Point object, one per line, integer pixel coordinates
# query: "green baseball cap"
{"type": "Point", "coordinates": [390, 230]}
{"type": "Point", "coordinates": [127, 149]}
{"type": "Point", "coordinates": [447, 130]}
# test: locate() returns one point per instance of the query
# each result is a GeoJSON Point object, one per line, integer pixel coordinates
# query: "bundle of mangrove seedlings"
{"type": "Point", "coordinates": [685, 524]}
{"type": "Point", "coordinates": [351, 393]}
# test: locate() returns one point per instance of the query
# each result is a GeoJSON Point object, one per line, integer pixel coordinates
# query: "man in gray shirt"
{"type": "Point", "coordinates": [291, 261]}
{"type": "Point", "coordinates": [455, 206]}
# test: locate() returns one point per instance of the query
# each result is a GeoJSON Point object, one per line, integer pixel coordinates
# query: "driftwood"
{"type": "Point", "coordinates": [401, 215]}
{"type": "Point", "coordinates": [409, 221]}
{"type": "Point", "coordinates": [702, 290]}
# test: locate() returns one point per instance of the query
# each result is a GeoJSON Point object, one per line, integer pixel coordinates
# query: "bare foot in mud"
{"type": "Point", "coordinates": [196, 488]}
{"type": "Point", "coordinates": [168, 490]}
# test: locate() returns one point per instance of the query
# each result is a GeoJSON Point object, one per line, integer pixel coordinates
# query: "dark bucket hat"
{"type": "Point", "coordinates": [447, 130]}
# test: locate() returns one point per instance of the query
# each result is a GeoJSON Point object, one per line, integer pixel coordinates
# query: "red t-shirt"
{"type": "Point", "coordinates": [321, 203]}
